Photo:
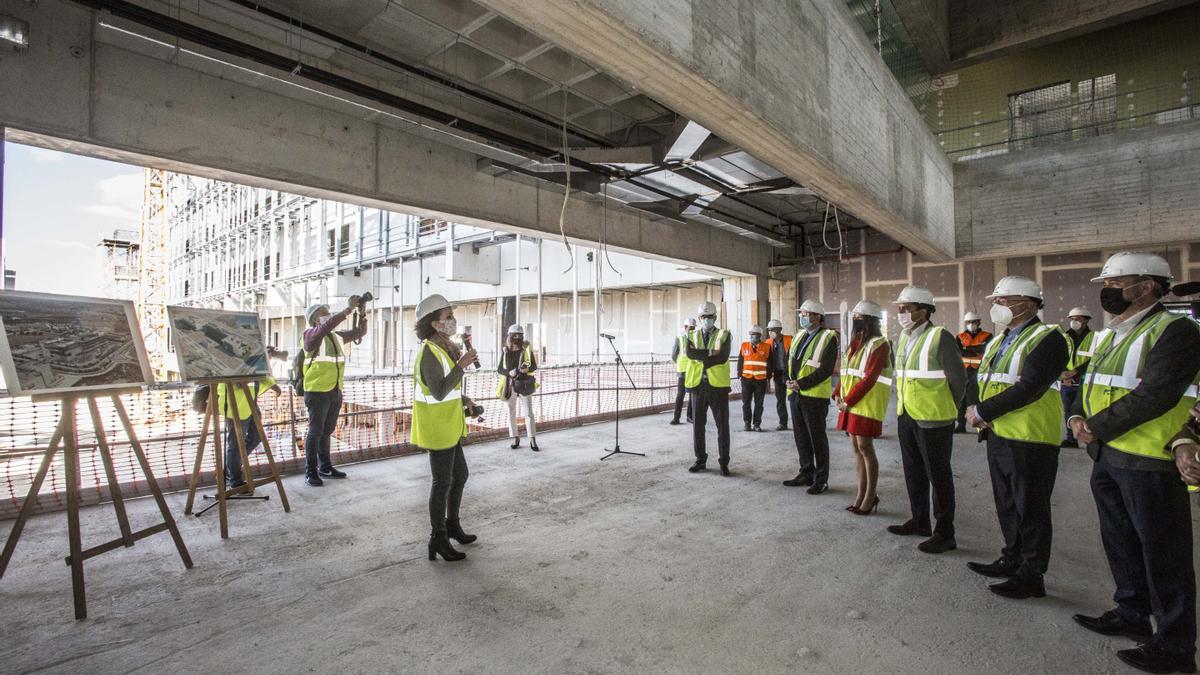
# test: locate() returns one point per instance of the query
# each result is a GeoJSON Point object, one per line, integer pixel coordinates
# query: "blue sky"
{"type": "Point", "coordinates": [56, 208]}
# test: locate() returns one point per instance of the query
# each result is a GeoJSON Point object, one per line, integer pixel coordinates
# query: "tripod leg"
{"type": "Point", "coordinates": [31, 498]}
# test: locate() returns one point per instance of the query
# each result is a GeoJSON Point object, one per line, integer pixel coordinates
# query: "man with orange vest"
{"type": "Point", "coordinates": [753, 364]}
{"type": "Point", "coordinates": [972, 342]}
{"type": "Point", "coordinates": [777, 372]}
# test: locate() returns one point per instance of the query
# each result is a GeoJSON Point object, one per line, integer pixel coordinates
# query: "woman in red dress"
{"type": "Point", "coordinates": [862, 398]}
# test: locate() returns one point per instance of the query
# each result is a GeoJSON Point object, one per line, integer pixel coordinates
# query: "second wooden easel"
{"type": "Point", "coordinates": [212, 427]}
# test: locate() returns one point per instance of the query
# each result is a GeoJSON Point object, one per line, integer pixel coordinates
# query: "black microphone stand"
{"type": "Point", "coordinates": [617, 439]}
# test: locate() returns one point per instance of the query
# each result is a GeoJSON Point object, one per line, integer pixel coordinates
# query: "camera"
{"type": "Point", "coordinates": [366, 297]}
{"type": "Point", "coordinates": [473, 410]}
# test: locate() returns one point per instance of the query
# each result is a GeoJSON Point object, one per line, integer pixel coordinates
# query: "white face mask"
{"type": "Point", "coordinates": [1076, 326]}
{"type": "Point", "coordinates": [805, 322]}
{"type": "Point", "coordinates": [905, 320]}
{"type": "Point", "coordinates": [447, 327]}
{"type": "Point", "coordinates": [708, 323]}
{"type": "Point", "coordinates": [1001, 315]}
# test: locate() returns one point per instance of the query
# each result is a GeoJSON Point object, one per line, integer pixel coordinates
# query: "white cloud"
{"type": "Point", "coordinates": [67, 244]}
{"type": "Point", "coordinates": [119, 199]}
{"type": "Point", "coordinates": [44, 155]}
{"type": "Point", "coordinates": [122, 213]}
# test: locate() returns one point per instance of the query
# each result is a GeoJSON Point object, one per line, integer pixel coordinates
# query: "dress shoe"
{"type": "Point", "coordinates": [314, 481]}
{"type": "Point", "coordinates": [909, 528]}
{"type": "Point", "coordinates": [937, 544]}
{"type": "Point", "coordinates": [332, 473]}
{"type": "Point", "coordinates": [673, 422]}
{"type": "Point", "coordinates": [534, 446]}
{"type": "Point", "coordinates": [1069, 444]}
{"type": "Point", "coordinates": [1020, 588]}
{"type": "Point", "coordinates": [454, 531]}
{"type": "Point", "coordinates": [817, 488]}
{"type": "Point", "coordinates": [1000, 569]}
{"type": "Point", "coordinates": [725, 470]}
{"type": "Point", "coordinates": [781, 427]}
{"type": "Point", "coordinates": [515, 444]}
{"type": "Point", "coordinates": [697, 467]}
{"type": "Point", "coordinates": [747, 427]}
{"type": "Point", "coordinates": [865, 512]}
{"type": "Point", "coordinates": [1154, 659]}
{"type": "Point", "coordinates": [439, 544]}
{"type": "Point", "coordinates": [799, 481]}
{"type": "Point", "coordinates": [1112, 623]}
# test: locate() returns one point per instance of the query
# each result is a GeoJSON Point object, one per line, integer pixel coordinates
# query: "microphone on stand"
{"type": "Point", "coordinates": [606, 336]}
{"type": "Point", "coordinates": [466, 338]}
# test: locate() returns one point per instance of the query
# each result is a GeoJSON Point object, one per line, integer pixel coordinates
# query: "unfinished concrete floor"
{"type": "Point", "coordinates": [630, 565]}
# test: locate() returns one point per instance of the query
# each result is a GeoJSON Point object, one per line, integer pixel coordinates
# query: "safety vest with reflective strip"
{"type": "Point", "coordinates": [1037, 422]}
{"type": "Point", "coordinates": [326, 370]}
{"type": "Point", "coordinates": [718, 375]}
{"type": "Point", "coordinates": [526, 360]}
{"type": "Point", "coordinates": [968, 340]}
{"type": "Point", "coordinates": [922, 391]}
{"type": "Point", "coordinates": [754, 360]}
{"type": "Point", "coordinates": [1116, 370]}
{"type": "Point", "coordinates": [1082, 352]}
{"type": "Point", "coordinates": [239, 398]}
{"type": "Point", "coordinates": [810, 362]}
{"type": "Point", "coordinates": [681, 359]}
{"type": "Point", "coordinates": [874, 404]}
{"type": "Point", "coordinates": [436, 424]}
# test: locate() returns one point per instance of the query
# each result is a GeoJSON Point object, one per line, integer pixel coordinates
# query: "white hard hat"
{"type": "Point", "coordinates": [1135, 264]}
{"type": "Point", "coordinates": [313, 309]}
{"type": "Point", "coordinates": [812, 306]}
{"type": "Point", "coordinates": [431, 304]}
{"type": "Point", "coordinates": [1079, 311]}
{"type": "Point", "coordinates": [756, 329]}
{"type": "Point", "coordinates": [1017, 286]}
{"type": "Point", "coordinates": [516, 329]}
{"type": "Point", "coordinates": [868, 308]}
{"type": "Point", "coordinates": [774, 323]}
{"type": "Point", "coordinates": [971, 316]}
{"type": "Point", "coordinates": [706, 309]}
{"type": "Point", "coordinates": [689, 322]}
{"type": "Point", "coordinates": [915, 295]}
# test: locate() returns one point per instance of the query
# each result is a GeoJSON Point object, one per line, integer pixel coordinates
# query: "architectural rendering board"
{"type": "Point", "coordinates": [213, 343]}
{"type": "Point", "coordinates": [61, 343]}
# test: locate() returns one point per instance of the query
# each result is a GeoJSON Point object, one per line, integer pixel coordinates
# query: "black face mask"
{"type": "Point", "coordinates": [858, 325]}
{"type": "Point", "coordinates": [1113, 300]}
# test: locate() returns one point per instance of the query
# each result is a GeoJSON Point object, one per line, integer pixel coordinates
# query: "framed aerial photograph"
{"type": "Point", "coordinates": [216, 344]}
{"type": "Point", "coordinates": [53, 344]}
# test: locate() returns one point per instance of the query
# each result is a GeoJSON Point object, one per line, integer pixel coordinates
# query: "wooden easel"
{"type": "Point", "coordinates": [213, 427]}
{"type": "Point", "coordinates": [66, 438]}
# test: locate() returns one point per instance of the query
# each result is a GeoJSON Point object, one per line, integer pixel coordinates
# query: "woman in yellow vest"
{"type": "Point", "coordinates": [863, 391]}
{"type": "Point", "coordinates": [439, 422]}
{"type": "Point", "coordinates": [517, 364]}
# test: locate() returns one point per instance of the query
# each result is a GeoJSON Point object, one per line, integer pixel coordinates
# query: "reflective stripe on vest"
{"type": "Point", "coordinates": [436, 424]}
{"type": "Point", "coordinates": [755, 360]}
{"type": "Point", "coordinates": [326, 370]}
{"type": "Point", "coordinates": [718, 375]}
{"type": "Point", "coordinates": [1116, 370]}
{"type": "Point", "coordinates": [681, 359]}
{"type": "Point", "coordinates": [1037, 422]}
{"type": "Point", "coordinates": [921, 387]}
{"type": "Point", "coordinates": [526, 360]}
{"type": "Point", "coordinates": [874, 404]}
{"type": "Point", "coordinates": [972, 341]}
{"type": "Point", "coordinates": [810, 362]}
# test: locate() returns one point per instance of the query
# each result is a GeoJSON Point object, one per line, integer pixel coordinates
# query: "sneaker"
{"type": "Point", "coordinates": [332, 473]}
{"type": "Point", "coordinates": [314, 481]}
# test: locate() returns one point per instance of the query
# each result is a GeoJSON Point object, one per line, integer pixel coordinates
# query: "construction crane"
{"type": "Point", "coordinates": [152, 271]}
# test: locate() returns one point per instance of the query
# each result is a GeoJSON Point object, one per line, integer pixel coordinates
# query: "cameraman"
{"type": "Point", "coordinates": [324, 373]}
{"type": "Point", "coordinates": [439, 421]}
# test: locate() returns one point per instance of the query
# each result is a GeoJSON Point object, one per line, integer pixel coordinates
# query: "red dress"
{"type": "Point", "coordinates": [856, 424]}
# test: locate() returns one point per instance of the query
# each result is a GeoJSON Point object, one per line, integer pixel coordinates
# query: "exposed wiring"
{"type": "Point", "coordinates": [562, 214]}
{"type": "Point", "coordinates": [604, 231]}
{"type": "Point", "coordinates": [825, 228]}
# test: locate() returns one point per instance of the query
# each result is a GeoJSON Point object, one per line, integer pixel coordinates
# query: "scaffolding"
{"type": "Point", "coordinates": [152, 278]}
{"type": "Point", "coordinates": [119, 266]}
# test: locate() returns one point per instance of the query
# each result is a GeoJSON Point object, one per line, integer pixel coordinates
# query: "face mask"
{"type": "Point", "coordinates": [447, 327]}
{"type": "Point", "coordinates": [805, 322]}
{"type": "Point", "coordinates": [755, 339]}
{"type": "Point", "coordinates": [1001, 315]}
{"type": "Point", "coordinates": [972, 328]}
{"type": "Point", "coordinates": [1076, 326]}
{"type": "Point", "coordinates": [905, 320]}
{"type": "Point", "coordinates": [708, 324]}
{"type": "Point", "coordinates": [775, 334]}
{"type": "Point", "coordinates": [857, 325]}
{"type": "Point", "coordinates": [1113, 300]}
{"type": "Point", "coordinates": [517, 342]}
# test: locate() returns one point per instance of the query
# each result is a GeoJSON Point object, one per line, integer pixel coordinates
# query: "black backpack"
{"type": "Point", "coordinates": [296, 376]}
{"type": "Point", "coordinates": [200, 398]}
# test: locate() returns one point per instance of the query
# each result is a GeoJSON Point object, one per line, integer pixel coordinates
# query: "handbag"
{"type": "Point", "coordinates": [524, 385]}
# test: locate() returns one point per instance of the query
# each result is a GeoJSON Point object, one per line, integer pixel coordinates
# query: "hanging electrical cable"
{"type": "Point", "coordinates": [562, 214]}
{"type": "Point", "coordinates": [825, 228]}
{"type": "Point", "coordinates": [604, 230]}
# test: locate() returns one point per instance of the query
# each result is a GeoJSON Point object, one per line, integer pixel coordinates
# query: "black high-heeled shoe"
{"type": "Point", "coordinates": [455, 532]}
{"type": "Point", "coordinates": [867, 512]}
{"type": "Point", "coordinates": [440, 545]}
{"type": "Point", "coordinates": [516, 443]}
{"type": "Point", "coordinates": [533, 446]}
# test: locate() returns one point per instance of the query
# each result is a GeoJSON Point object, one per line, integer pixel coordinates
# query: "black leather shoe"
{"type": "Point", "coordinates": [1111, 623]}
{"type": "Point", "coordinates": [937, 544]}
{"type": "Point", "coordinates": [455, 532]}
{"type": "Point", "coordinates": [1155, 659]}
{"type": "Point", "coordinates": [674, 422]}
{"type": "Point", "coordinates": [781, 427]}
{"type": "Point", "coordinates": [1000, 569]}
{"type": "Point", "coordinates": [799, 481]}
{"type": "Point", "coordinates": [314, 481]}
{"type": "Point", "coordinates": [440, 545]}
{"type": "Point", "coordinates": [817, 488]}
{"type": "Point", "coordinates": [909, 528]}
{"type": "Point", "coordinates": [697, 467]}
{"type": "Point", "coordinates": [725, 470]}
{"type": "Point", "coordinates": [515, 444]}
{"type": "Point", "coordinates": [332, 473]}
{"type": "Point", "coordinates": [534, 446]}
{"type": "Point", "coordinates": [758, 427]}
{"type": "Point", "coordinates": [746, 427]}
{"type": "Point", "coordinates": [1069, 444]}
{"type": "Point", "coordinates": [1019, 588]}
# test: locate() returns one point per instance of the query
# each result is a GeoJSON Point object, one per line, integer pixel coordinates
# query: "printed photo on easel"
{"type": "Point", "coordinates": [61, 343]}
{"type": "Point", "coordinates": [213, 343]}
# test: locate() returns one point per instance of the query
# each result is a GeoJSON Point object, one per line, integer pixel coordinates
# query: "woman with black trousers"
{"type": "Point", "coordinates": [439, 421]}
